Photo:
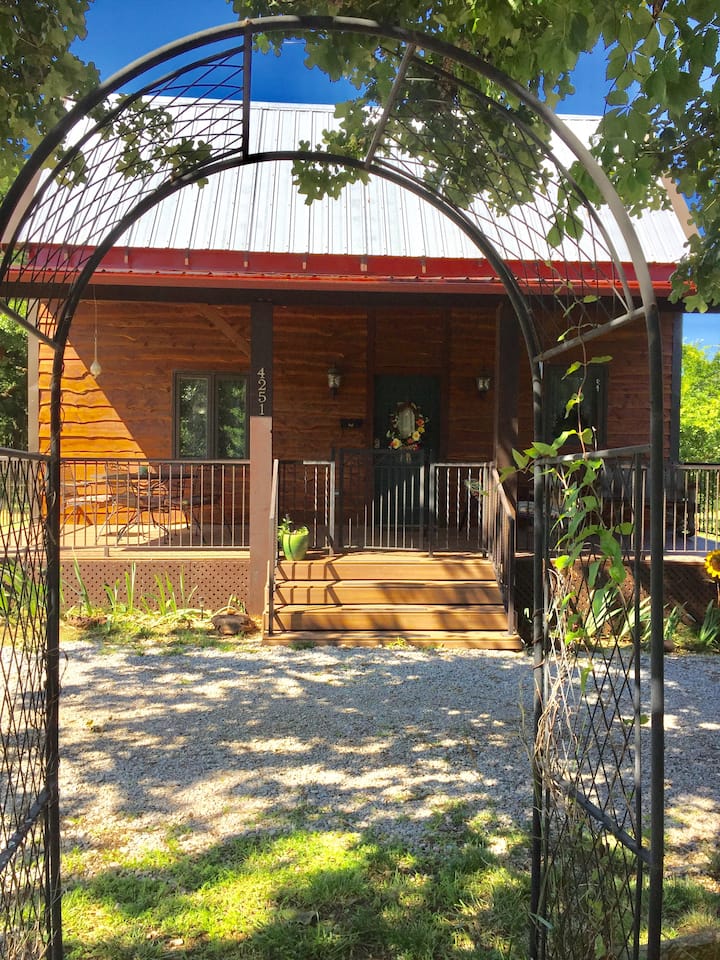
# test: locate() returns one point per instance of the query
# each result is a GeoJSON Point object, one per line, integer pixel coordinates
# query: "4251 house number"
{"type": "Point", "coordinates": [261, 391]}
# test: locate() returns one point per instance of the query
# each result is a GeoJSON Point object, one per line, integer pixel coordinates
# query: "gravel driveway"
{"type": "Point", "coordinates": [214, 743]}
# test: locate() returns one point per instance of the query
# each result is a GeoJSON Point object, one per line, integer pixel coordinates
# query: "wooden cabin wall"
{"type": "Point", "coordinates": [470, 430]}
{"type": "Point", "coordinates": [628, 411]}
{"type": "Point", "coordinates": [306, 342]}
{"type": "Point", "coordinates": [128, 411]}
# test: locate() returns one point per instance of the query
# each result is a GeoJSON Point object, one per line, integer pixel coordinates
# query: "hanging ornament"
{"type": "Point", "coordinates": [95, 368]}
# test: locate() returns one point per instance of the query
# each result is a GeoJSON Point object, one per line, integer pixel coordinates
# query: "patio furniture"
{"type": "Point", "coordinates": [84, 499]}
{"type": "Point", "coordinates": [137, 497]}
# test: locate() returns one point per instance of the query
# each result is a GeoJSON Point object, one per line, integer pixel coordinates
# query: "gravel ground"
{"type": "Point", "coordinates": [210, 744]}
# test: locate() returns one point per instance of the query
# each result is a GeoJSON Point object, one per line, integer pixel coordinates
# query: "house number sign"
{"type": "Point", "coordinates": [261, 331]}
{"type": "Point", "coordinates": [262, 393]}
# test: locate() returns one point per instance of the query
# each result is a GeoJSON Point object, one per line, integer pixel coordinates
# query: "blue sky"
{"type": "Point", "coordinates": [120, 31]}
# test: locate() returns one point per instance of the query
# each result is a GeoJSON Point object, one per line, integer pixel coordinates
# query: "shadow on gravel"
{"type": "Point", "coordinates": [376, 739]}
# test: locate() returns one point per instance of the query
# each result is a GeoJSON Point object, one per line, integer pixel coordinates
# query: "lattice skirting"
{"type": "Point", "coordinates": [216, 579]}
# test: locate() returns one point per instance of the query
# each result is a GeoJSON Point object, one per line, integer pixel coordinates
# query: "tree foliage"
{"type": "Point", "coordinates": [699, 405]}
{"type": "Point", "coordinates": [37, 71]}
{"type": "Point", "coordinates": [13, 385]}
{"type": "Point", "coordinates": [662, 112]}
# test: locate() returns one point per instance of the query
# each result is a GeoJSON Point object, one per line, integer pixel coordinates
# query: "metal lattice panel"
{"type": "Point", "coordinates": [24, 788]}
{"type": "Point", "coordinates": [590, 730]}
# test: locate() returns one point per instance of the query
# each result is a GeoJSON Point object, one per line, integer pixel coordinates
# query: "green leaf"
{"type": "Point", "coordinates": [617, 98]}
{"type": "Point", "coordinates": [541, 449]}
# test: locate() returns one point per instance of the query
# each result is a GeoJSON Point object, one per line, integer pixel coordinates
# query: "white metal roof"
{"type": "Point", "coordinates": [256, 207]}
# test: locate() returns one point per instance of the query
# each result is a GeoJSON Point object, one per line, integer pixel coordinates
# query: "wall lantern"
{"type": "Point", "coordinates": [483, 383]}
{"type": "Point", "coordinates": [334, 378]}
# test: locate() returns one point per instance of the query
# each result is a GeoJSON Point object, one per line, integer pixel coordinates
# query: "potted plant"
{"type": "Point", "coordinates": [293, 540]}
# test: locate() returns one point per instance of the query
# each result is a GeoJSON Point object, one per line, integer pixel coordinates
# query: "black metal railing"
{"type": "Point", "coordinates": [692, 507]}
{"type": "Point", "coordinates": [460, 506]}
{"type": "Point", "coordinates": [368, 499]}
{"type": "Point", "coordinates": [382, 499]}
{"type": "Point", "coordinates": [306, 494]}
{"type": "Point", "coordinates": [154, 503]}
{"type": "Point", "coordinates": [470, 511]}
{"type": "Point", "coordinates": [690, 504]}
{"type": "Point", "coordinates": [273, 558]}
{"type": "Point", "coordinates": [502, 543]}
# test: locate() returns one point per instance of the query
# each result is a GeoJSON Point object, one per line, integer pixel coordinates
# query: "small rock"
{"type": "Point", "coordinates": [230, 624]}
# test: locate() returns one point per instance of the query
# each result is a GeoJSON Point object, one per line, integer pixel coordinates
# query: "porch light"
{"type": "Point", "coordinates": [334, 378]}
{"type": "Point", "coordinates": [483, 383]}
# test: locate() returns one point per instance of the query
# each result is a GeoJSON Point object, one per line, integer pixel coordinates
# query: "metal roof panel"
{"type": "Point", "coordinates": [256, 207]}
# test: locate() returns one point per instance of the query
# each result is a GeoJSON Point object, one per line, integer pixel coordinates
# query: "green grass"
{"type": "Point", "coordinates": [297, 895]}
{"type": "Point", "coordinates": [296, 891]}
{"type": "Point", "coordinates": [168, 638]}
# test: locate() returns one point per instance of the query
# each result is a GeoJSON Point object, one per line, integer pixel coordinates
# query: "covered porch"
{"type": "Point", "coordinates": [191, 522]}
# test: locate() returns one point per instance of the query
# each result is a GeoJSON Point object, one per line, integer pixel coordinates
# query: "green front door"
{"type": "Point", "coordinates": [401, 476]}
{"type": "Point", "coordinates": [424, 392]}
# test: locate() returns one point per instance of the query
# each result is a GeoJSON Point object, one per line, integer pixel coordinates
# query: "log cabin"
{"type": "Point", "coordinates": [362, 346]}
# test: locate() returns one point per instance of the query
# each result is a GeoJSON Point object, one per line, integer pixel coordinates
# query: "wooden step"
{"type": "Point", "coordinates": [388, 591]}
{"type": "Point", "coordinates": [391, 567]}
{"type": "Point", "coordinates": [373, 599]}
{"type": "Point", "coordinates": [421, 639]}
{"type": "Point", "coordinates": [387, 617]}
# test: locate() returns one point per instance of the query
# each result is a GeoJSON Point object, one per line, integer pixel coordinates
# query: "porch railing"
{"type": "Point", "coordinates": [470, 510]}
{"type": "Point", "coordinates": [692, 508]}
{"type": "Point", "coordinates": [273, 559]}
{"type": "Point", "coordinates": [306, 494]}
{"type": "Point", "coordinates": [460, 508]}
{"type": "Point", "coordinates": [382, 499]}
{"type": "Point", "coordinates": [369, 500]}
{"type": "Point", "coordinates": [691, 504]}
{"type": "Point", "coordinates": [502, 543]}
{"type": "Point", "coordinates": [164, 504]}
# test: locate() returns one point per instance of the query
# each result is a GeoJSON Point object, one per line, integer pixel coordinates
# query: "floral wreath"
{"type": "Point", "coordinates": [414, 439]}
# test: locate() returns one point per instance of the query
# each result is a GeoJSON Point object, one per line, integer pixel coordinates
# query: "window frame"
{"type": "Point", "coordinates": [213, 378]}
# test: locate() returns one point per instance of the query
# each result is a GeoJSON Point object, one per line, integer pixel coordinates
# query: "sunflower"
{"type": "Point", "coordinates": [712, 564]}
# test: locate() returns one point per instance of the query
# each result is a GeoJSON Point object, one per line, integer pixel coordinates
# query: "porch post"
{"type": "Point", "coordinates": [507, 351]}
{"type": "Point", "coordinates": [261, 394]}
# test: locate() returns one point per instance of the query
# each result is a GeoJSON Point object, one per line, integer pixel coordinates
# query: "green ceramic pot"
{"type": "Point", "coordinates": [295, 543]}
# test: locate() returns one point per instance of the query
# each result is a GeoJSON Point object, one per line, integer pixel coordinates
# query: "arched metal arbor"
{"type": "Point", "coordinates": [497, 163]}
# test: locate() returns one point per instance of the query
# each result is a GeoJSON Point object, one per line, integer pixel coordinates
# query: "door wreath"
{"type": "Point", "coordinates": [407, 426]}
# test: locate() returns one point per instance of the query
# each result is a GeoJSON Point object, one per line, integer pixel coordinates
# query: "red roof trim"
{"type": "Point", "coordinates": [217, 268]}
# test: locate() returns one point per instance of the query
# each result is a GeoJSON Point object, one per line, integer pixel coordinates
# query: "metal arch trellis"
{"type": "Point", "coordinates": [184, 114]}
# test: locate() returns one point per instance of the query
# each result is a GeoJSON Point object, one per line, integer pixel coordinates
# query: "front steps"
{"type": "Point", "coordinates": [376, 599]}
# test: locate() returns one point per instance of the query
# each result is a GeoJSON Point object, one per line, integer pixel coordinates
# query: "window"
{"type": "Point", "coordinates": [211, 416]}
{"type": "Point", "coordinates": [560, 386]}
